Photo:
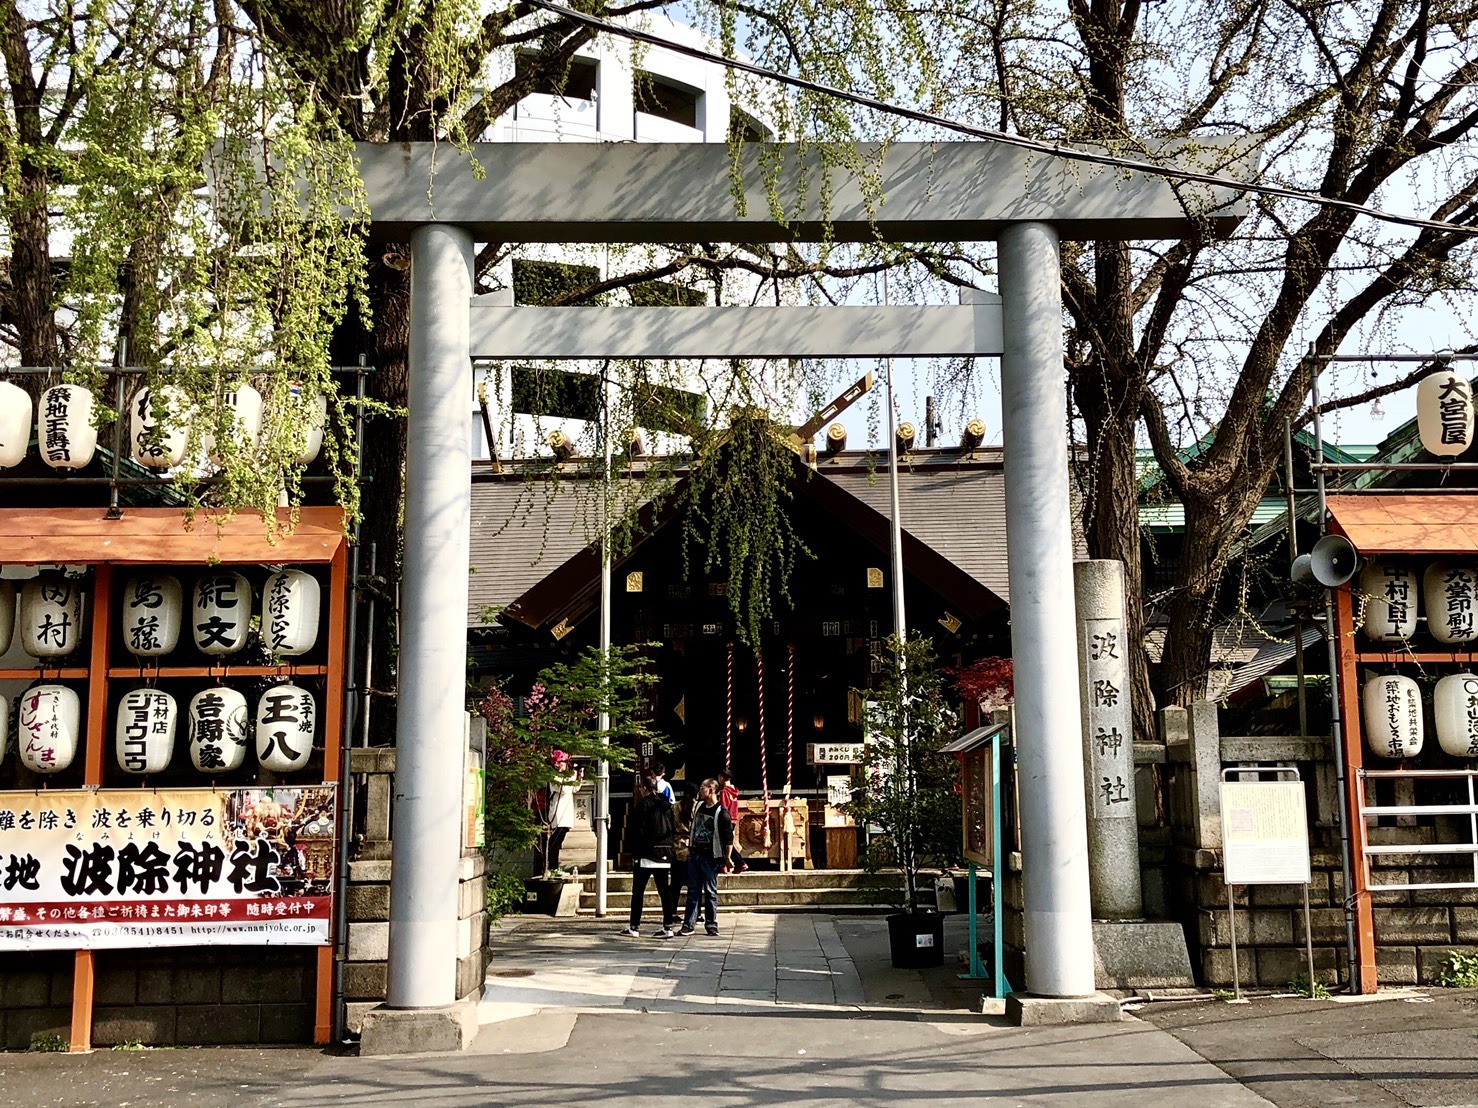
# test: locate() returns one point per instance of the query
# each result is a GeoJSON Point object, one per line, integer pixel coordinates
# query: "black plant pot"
{"type": "Point", "coordinates": [916, 939]}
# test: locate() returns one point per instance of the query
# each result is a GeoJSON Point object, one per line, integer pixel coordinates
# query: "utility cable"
{"type": "Point", "coordinates": [1038, 145]}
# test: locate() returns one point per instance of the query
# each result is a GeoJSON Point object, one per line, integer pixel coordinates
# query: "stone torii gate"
{"type": "Point", "coordinates": [657, 193]}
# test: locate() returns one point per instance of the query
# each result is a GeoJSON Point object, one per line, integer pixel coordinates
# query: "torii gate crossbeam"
{"type": "Point", "coordinates": [665, 193]}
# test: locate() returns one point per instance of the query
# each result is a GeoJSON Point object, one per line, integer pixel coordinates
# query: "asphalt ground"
{"type": "Point", "coordinates": [806, 1010]}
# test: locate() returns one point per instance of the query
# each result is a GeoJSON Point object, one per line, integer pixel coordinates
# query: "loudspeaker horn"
{"type": "Point", "coordinates": [1333, 561]}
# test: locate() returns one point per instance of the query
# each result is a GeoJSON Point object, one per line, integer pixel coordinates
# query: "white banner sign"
{"type": "Point", "coordinates": [94, 869]}
{"type": "Point", "coordinates": [833, 754]}
{"type": "Point", "coordinates": [1264, 833]}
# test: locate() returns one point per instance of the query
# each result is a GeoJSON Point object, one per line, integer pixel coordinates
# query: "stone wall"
{"type": "Point", "coordinates": [368, 904]}
{"type": "Point", "coordinates": [184, 997]}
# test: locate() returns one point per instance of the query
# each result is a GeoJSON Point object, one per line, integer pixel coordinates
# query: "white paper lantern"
{"type": "Point", "coordinates": [64, 428]}
{"type": "Point", "coordinates": [146, 728]}
{"type": "Point", "coordinates": [164, 448]}
{"type": "Point", "coordinates": [1390, 593]}
{"type": "Point", "coordinates": [218, 719]}
{"type": "Point", "coordinates": [1444, 413]}
{"type": "Point", "coordinates": [287, 717]}
{"type": "Point", "coordinates": [1455, 712]}
{"type": "Point", "coordinates": [315, 413]}
{"type": "Point", "coordinates": [1450, 592]}
{"type": "Point", "coordinates": [51, 615]}
{"type": "Point", "coordinates": [220, 616]}
{"type": "Point", "coordinates": [1393, 716]}
{"type": "Point", "coordinates": [15, 424]}
{"type": "Point", "coordinates": [151, 614]}
{"type": "Point", "coordinates": [7, 615]}
{"type": "Point", "coordinates": [290, 612]}
{"type": "Point", "coordinates": [243, 408]}
{"type": "Point", "coordinates": [46, 728]}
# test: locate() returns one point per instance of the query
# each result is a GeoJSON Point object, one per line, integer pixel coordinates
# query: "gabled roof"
{"type": "Point", "coordinates": [532, 551]}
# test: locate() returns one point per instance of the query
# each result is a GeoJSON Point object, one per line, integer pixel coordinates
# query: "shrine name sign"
{"type": "Point", "coordinates": [833, 754]}
{"type": "Point", "coordinates": [92, 869]}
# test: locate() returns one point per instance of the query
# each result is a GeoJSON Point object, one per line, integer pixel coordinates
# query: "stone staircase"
{"type": "Point", "coordinates": [760, 890]}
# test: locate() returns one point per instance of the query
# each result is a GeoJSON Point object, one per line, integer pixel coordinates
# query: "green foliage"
{"type": "Point", "coordinates": [505, 892]}
{"type": "Point", "coordinates": [905, 785]}
{"type": "Point", "coordinates": [738, 520]}
{"type": "Point", "coordinates": [1301, 986]}
{"type": "Point", "coordinates": [129, 1044]}
{"type": "Point", "coordinates": [1459, 970]}
{"type": "Point", "coordinates": [49, 1042]}
{"type": "Point", "coordinates": [1223, 994]}
{"type": "Point", "coordinates": [561, 712]}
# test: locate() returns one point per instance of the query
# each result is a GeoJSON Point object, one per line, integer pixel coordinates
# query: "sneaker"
{"type": "Point", "coordinates": [711, 931]}
{"type": "Point", "coordinates": [630, 932]}
{"type": "Point", "coordinates": [742, 869]}
{"type": "Point", "coordinates": [726, 869]}
{"type": "Point", "coordinates": [685, 929]}
{"type": "Point", "coordinates": [665, 933]}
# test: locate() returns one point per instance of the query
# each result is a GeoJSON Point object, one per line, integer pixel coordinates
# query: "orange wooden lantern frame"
{"type": "Point", "coordinates": [161, 536]}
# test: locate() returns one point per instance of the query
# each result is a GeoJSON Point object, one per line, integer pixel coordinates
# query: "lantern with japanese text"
{"type": "Point", "coordinates": [1393, 716]}
{"type": "Point", "coordinates": [64, 429]}
{"type": "Point", "coordinates": [151, 614]}
{"type": "Point", "coordinates": [15, 424]}
{"type": "Point", "coordinates": [242, 409]}
{"type": "Point", "coordinates": [290, 612]}
{"type": "Point", "coordinates": [1455, 712]}
{"type": "Point", "coordinates": [1390, 593]}
{"type": "Point", "coordinates": [220, 616]}
{"type": "Point", "coordinates": [146, 730]}
{"type": "Point", "coordinates": [158, 427]}
{"type": "Point", "coordinates": [315, 411]}
{"type": "Point", "coordinates": [1444, 413]}
{"type": "Point", "coordinates": [51, 615]}
{"type": "Point", "coordinates": [1451, 595]}
{"type": "Point", "coordinates": [7, 615]}
{"type": "Point", "coordinates": [46, 728]}
{"type": "Point", "coordinates": [218, 719]}
{"type": "Point", "coordinates": [286, 720]}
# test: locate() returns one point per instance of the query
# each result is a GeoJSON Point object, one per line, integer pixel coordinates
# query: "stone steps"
{"type": "Point", "coordinates": [768, 891]}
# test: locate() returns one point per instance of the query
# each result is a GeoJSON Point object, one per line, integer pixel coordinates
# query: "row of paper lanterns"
{"type": "Point", "coordinates": [1448, 591]}
{"type": "Point", "coordinates": [157, 425]}
{"type": "Point", "coordinates": [1391, 707]}
{"type": "Point", "coordinates": [48, 731]}
{"type": "Point", "coordinates": [153, 614]}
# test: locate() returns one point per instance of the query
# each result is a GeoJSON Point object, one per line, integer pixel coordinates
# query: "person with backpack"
{"type": "Point", "coordinates": [651, 838]}
{"type": "Point", "coordinates": [708, 846]}
{"type": "Point", "coordinates": [728, 796]}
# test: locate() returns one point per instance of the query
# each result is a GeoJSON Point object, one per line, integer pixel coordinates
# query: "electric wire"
{"type": "Point", "coordinates": [1041, 146]}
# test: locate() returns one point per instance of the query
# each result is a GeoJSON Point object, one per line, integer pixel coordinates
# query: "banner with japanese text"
{"type": "Point", "coordinates": [96, 868]}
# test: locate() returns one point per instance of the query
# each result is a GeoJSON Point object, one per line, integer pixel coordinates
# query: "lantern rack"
{"type": "Point", "coordinates": [110, 545]}
{"type": "Point", "coordinates": [1470, 810]}
{"type": "Point", "coordinates": [1433, 657]}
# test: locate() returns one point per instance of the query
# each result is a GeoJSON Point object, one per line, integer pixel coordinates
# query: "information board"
{"type": "Point", "coordinates": [97, 868]}
{"type": "Point", "coordinates": [1264, 833]}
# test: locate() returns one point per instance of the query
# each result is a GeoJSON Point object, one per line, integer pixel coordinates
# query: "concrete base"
{"type": "Point", "coordinates": [1146, 954]}
{"type": "Point", "coordinates": [1026, 1010]}
{"type": "Point", "coordinates": [418, 1030]}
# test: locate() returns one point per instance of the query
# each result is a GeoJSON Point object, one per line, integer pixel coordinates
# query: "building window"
{"type": "Point", "coordinates": [665, 99]}
{"type": "Point", "coordinates": [555, 392]}
{"type": "Point", "coordinates": [544, 282]}
{"type": "Point", "coordinates": [667, 294]}
{"type": "Point", "coordinates": [744, 126]}
{"type": "Point", "coordinates": [574, 82]}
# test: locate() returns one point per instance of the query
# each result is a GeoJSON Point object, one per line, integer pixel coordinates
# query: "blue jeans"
{"type": "Point", "coordinates": [702, 881]}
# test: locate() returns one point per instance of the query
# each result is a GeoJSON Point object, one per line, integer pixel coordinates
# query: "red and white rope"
{"type": "Point", "coordinates": [729, 713]}
{"type": "Point", "coordinates": [789, 714]}
{"type": "Point", "coordinates": [759, 670]}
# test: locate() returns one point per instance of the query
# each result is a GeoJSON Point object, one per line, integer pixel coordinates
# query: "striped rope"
{"type": "Point", "coordinates": [729, 715]}
{"type": "Point", "coordinates": [789, 715]}
{"type": "Point", "coordinates": [759, 670]}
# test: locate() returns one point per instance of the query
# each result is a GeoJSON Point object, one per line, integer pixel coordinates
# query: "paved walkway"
{"type": "Point", "coordinates": [804, 1010]}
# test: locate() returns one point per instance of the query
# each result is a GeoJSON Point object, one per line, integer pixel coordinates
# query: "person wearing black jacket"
{"type": "Point", "coordinates": [712, 836]}
{"type": "Point", "coordinates": [651, 838]}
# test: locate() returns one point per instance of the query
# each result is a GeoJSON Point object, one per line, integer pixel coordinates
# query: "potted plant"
{"type": "Point", "coordinates": [904, 792]}
{"type": "Point", "coordinates": [561, 715]}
